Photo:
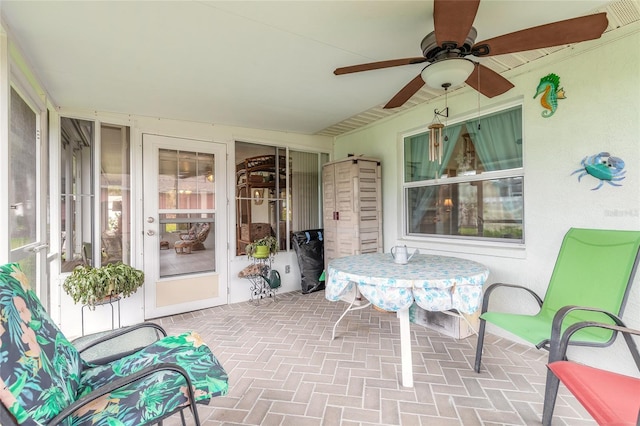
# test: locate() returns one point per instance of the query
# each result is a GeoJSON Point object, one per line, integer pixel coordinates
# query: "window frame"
{"type": "Point", "coordinates": [518, 172]}
{"type": "Point", "coordinates": [81, 185]}
{"type": "Point", "coordinates": [279, 201]}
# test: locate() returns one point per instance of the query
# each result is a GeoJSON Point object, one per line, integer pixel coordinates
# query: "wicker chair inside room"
{"type": "Point", "coordinates": [194, 239]}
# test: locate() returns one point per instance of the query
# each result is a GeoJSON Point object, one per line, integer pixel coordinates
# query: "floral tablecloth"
{"type": "Point", "coordinates": [436, 283]}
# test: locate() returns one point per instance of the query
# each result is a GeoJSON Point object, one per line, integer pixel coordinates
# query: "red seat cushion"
{"type": "Point", "coordinates": [610, 398]}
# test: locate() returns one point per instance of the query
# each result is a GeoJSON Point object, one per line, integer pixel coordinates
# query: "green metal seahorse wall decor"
{"type": "Point", "coordinates": [549, 88]}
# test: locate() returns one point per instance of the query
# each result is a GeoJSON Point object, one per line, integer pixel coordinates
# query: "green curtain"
{"type": "Point", "coordinates": [498, 139]}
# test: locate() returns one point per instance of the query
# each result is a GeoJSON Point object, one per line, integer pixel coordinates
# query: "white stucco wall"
{"type": "Point", "coordinates": [601, 113]}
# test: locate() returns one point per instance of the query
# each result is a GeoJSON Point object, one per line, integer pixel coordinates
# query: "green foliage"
{"type": "Point", "coordinates": [503, 232]}
{"type": "Point", "coordinates": [88, 285]}
{"type": "Point", "coordinates": [468, 231]}
{"type": "Point", "coordinates": [512, 232]}
{"type": "Point", "coordinates": [269, 241]}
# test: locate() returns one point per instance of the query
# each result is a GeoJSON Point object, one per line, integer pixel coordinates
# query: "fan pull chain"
{"type": "Point", "coordinates": [478, 67]}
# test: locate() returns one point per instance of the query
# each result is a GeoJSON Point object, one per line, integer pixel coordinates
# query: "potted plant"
{"type": "Point", "coordinates": [263, 247]}
{"type": "Point", "coordinates": [90, 286]}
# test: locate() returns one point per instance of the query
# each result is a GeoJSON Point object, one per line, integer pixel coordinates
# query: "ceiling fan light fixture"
{"type": "Point", "coordinates": [450, 72]}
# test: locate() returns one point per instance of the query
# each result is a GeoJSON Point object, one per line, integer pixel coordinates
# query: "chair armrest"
{"type": "Point", "coordinates": [491, 288]}
{"type": "Point", "coordinates": [560, 316]}
{"type": "Point", "coordinates": [104, 347]}
{"type": "Point", "coordinates": [124, 381]}
{"type": "Point", "coordinates": [557, 364]}
{"type": "Point", "coordinates": [559, 345]}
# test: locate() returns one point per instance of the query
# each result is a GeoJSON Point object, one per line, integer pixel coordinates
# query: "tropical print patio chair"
{"type": "Point", "coordinates": [593, 272]}
{"type": "Point", "coordinates": [45, 381]}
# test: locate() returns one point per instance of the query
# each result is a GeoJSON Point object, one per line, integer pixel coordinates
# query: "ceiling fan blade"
{"type": "Point", "coordinates": [452, 20]}
{"type": "Point", "coordinates": [488, 82]}
{"type": "Point", "coordinates": [378, 65]}
{"type": "Point", "coordinates": [405, 93]}
{"type": "Point", "coordinates": [557, 33]}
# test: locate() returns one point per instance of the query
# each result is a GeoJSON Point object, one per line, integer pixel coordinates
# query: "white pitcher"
{"type": "Point", "coordinates": [400, 254]}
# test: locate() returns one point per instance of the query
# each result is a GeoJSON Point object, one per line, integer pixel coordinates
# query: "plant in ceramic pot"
{"type": "Point", "coordinates": [90, 286]}
{"type": "Point", "coordinates": [262, 247]}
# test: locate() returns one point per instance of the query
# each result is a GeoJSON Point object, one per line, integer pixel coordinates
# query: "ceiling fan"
{"type": "Point", "coordinates": [446, 49]}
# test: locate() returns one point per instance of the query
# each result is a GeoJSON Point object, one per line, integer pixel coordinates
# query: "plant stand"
{"type": "Point", "coordinates": [260, 287]}
{"type": "Point", "coordinates": [108, 301]}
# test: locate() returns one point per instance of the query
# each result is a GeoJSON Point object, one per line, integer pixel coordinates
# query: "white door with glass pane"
{"type": "Point", "coordinates": [185, 225]}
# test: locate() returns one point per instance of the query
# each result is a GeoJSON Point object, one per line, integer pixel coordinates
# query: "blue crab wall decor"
{"type": "Point", "coordinates": [602, 166]}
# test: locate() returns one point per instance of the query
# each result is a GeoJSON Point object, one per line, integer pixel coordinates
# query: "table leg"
{"type": "Point", "coordinates": [356, 296]}
{"type": "Point", "coordinates": [405, 348]}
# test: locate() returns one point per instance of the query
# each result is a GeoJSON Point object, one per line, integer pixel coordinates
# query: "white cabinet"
{"type": "Point", "coordinates": [352, 212]}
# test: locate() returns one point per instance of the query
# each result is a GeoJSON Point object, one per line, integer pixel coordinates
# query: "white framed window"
{"type": "Point", "coordinates": [94, 231]}
{"type": "Point", "coordinates": [278, 191]}
{"type": "Point", "coordinates": [475, 191]}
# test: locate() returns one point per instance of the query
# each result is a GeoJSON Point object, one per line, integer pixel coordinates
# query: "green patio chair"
{"type": "Point", "coordinates": [594, 270]}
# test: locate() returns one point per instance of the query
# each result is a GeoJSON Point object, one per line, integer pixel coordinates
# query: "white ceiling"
{"type": "Point", "coordinates": [259, 64]}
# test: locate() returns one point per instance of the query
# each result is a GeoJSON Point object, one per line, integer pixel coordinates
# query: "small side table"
{"type": "Point", "coordinates": [108, 301]}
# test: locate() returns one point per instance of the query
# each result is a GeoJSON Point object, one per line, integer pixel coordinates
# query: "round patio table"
{"type": "Point", "coordinates": [435, 283]}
